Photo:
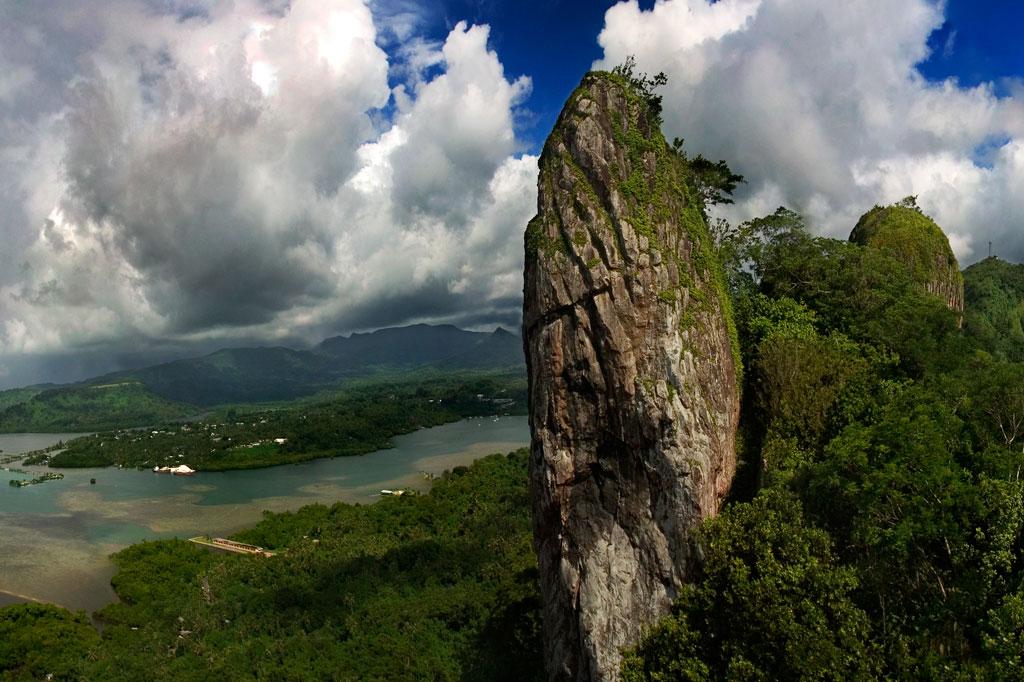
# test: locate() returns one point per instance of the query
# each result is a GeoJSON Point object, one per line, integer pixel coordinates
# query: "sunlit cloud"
{"type": "Point", "coordinates": [821, 107]}
{"type": "Point", "coordinates": [223, 175]}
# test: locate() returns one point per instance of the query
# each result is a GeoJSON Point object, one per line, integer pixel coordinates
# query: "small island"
{"type": "Point", "coordinates": [42, 478]}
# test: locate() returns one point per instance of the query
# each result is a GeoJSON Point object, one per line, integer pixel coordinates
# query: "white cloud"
{"type": "Point", "coordinates": [821, 107]}
{"type": "Point", "coordinates": [221, 176]}
{"type": "Point", "coordinates": [228, 172]}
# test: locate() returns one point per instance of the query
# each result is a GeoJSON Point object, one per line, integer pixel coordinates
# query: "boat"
{"type": "Point", "coordinates": [180, 470]}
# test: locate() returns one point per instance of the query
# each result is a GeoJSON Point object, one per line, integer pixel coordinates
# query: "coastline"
{"type": "Point", "coordinates": [9, 598]}
{"type": "Point", "coordinates": [58, 539]}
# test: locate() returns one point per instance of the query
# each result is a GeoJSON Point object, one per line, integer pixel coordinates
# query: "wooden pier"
{"type": "Point", "coordinates": [231, 546]}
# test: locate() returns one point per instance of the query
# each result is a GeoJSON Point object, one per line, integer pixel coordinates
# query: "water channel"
{"type": "Point", "coordinates": [56, 537]}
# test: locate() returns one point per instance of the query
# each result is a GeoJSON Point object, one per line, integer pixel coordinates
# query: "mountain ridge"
{"type": "Point", "coordinates": [273, 373]}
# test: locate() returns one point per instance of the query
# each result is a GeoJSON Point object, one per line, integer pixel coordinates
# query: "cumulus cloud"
{"type": "Point", "coordinates": [203, 172]}
{"type": "Point", "coordinates": [209, 170]}
{"type": "Point", "coordinates": [821, 107]}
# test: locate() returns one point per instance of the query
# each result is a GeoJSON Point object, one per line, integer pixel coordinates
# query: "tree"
{"type": "Point", "coordinates": [644, 86]}
{"type": "Point", "coordinates": [714, 182]}
{"type": "Point", "coordinates": [37, 640]}
{"type": "Point", "coordinates": [909, 201]}
{"type": "Point", "coordinates": [772, 603]}
{"type": "Point", "coordinates": [996, 402]}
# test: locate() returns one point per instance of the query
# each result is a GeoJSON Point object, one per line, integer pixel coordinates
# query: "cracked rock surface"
{"type": "Point", "coordinates": [633, 377]}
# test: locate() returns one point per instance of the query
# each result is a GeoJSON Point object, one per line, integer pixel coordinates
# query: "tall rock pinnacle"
{"type": "Point", "coordinates": [633, 375]}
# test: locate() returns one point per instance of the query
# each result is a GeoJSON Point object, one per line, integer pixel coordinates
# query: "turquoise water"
{"type": "Point", "coordinates": [56, 536]}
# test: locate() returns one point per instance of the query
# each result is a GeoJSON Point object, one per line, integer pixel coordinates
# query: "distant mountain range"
{"type": "Point", "coordinates": [246, 375]}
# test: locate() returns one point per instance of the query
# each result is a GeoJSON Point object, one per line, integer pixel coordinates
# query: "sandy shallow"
{"type": "Point", "coordinates": [61, 556]}
{"type": "Point", "coordinates": [66, 569]}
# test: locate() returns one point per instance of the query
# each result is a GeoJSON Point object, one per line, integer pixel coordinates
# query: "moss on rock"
{"type": "Point", "coordinates": [906, 234]}
{"type": "Point", "coordinates": [633, 361]}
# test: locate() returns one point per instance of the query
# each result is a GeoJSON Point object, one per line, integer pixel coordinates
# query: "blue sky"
{"type": "Point", "coordinates": [554, 42]}
{"type": "Point", "coordinates": [182, 175]}
{"type": "Point", "coordinates": [978, 42]}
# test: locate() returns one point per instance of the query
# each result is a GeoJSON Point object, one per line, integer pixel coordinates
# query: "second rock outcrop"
{"type": "Point", "coordinates": [909, 236]}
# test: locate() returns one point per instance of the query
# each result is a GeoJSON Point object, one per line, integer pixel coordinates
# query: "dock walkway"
{"type": "Point", "coordinates": [230, 546]}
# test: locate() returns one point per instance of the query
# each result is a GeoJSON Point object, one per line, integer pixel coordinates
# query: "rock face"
{"type": "Point", "coordinates": [633, 374]}
{"type": "Point", "coordinates": [914, 239]}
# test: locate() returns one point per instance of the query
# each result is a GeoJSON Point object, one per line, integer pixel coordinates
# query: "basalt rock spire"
{"type": "Point", "coordinates": [633, 376]}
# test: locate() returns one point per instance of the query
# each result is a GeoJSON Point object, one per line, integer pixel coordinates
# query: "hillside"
{"type": "Point", "coordinates": [91, 408]}
{"type": "Point", "coordinates": [245, 375]}
{"type": "Point", "coordinates": [252, 375]}
{"type": "Point", "coordinates": [14, 396]}
{"type": "Point", "coordinates": [994, 310]}
{"type": "Point", "coordinates": [231, 375]}
{"type": "Point", "coordinates": [906, 234]}
{"type": "Point", "coordinates": [420, 346]}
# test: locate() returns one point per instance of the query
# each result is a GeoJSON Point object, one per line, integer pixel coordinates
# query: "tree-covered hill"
{"type": "Point", "coordinates": [994, 307]}
{"type": "Point", "coordinates": [232, 375]}
{"type": "Point", "coordinates": [244, 375]}
{"type": "Point", "coordinates": [420, 346]}
{"type": "Point", "coordinates": [904, 233]}
{"type": "Point", "coordinates": [91, 408]}
{"type": "Point", "coordinates": [14, 396]}
{"type": "Point", "coordinates": [150, 395]}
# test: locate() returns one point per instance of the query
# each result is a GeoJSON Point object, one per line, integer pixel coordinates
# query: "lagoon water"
{"type": "Point", "coordinates": [55, 537]}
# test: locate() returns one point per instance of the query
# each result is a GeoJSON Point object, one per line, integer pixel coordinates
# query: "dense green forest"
{"type": "Point", "coordinates": [37, 640]}
{"type": "Point", "coordinates": [994, 307]}
{"type": "Point", "coordinates": [359, 420]}
{"type": "Point", "coordinates": [87, 408]}
{"type": "Point", "coordinates": [877, 530]}
{"type": "Point", "coordinates": [440, 586]}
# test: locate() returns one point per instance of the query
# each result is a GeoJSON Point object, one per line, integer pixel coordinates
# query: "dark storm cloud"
{"type": "Point", "coordinates": [434, 303]}
{"type": "Point", "coordinates": [507, 313]}
{"type": "Point", "coordinates": [221, 171]}
{"type": "Point", "coordinates": [41, 44]}
{"type": "Point", "coordinates": [180, 201]}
